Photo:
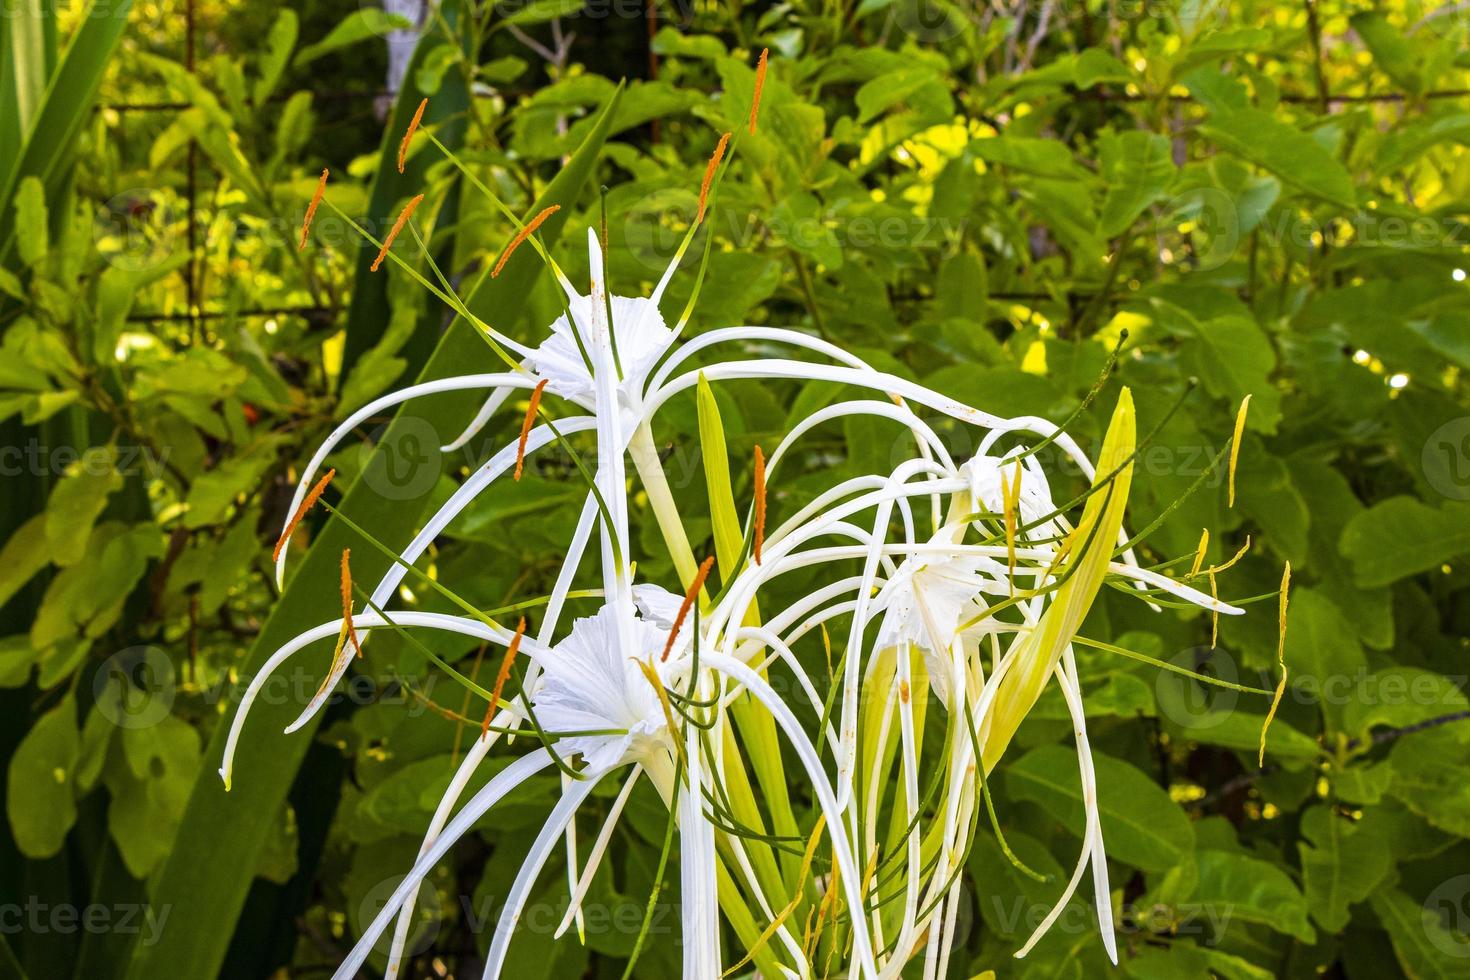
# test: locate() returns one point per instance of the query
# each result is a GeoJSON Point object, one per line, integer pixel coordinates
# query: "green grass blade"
{"type": "Point", "coordinates": [62, 111]}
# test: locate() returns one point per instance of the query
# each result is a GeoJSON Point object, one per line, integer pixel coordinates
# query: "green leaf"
{"type": "Point", "coordinates": [1321, 645]}
{"type": "Point", "coordinates": [10, 285]}
{"type": "Point", "coordinates": [1407, 144]}
{"type": "Point", "coordinates": [1341, 865]}
{"type": "Point", "coordinates": [1233, 357]}
{"type": "Point", "coordinates": [1401, 697]}
{"type": "Point", "coordinates": [150, 790]}
{"type": "Point", "coordinates": [31, 221]}
{"type": "Point", "coordinates": [207, 895]}
{"type": "Point", "coordinates": [541, 11]}
{"type": "Point", "coordinates": [1294, 156]}
{"type": "Point", "coordinates": [430, 74]}
{"type": "Point", "coordinates": [1392, 51]}
{"type": "Point", "coordinates": [1268, 496]}
{"type": "Point", "coordinates": [39, 798]}
{"type": "Point", "coordinates": [1241, 730]}
{"type": "Point", "coordinates": [1401, 536]}
{"type": "Point", "coordinates": [1005, 894]}
{"type": "Point", "coordinates": [1431, 778]}
{"type": "Point", "coordinates": [724, 516]}
{"type": "Point", "coordinates": [1095, 65]}
{"type": "Point", "coordinates": [890, 89]}
{"type": "Point", "coordinates": [1141, 825]}
{"type": "Point", "coordinates": [360, 25]}
{"type": "Point", "coordinates": [22, 557]}
{"type": "Point", "coordinates": [278, 858]}
{"type": "Point", "coordinates": [29, 22]}
{"type": "Point", "coordinates": [17, 657]}
{"type": "Point", "coordinates": [1425, 948]}
{"type": "Point", "coordinates": [1040, 157]}
{"type": "Point", "coordinates": [87, 598]}
{"type": "Point", "coordinates": [370, 310]}
{"type": "Point", "coordinates": [78, 500]}
{"type": "Point", "coordinates": [1137, 168]}
{"type": "Point", "coordinates": [212, 494]}
{"type": "Point", "coordinates": [277, 53]}
{"type": "Point", "coordinates": [1251, 890]}
{"type": "Point", "coordinates": [117, 288]}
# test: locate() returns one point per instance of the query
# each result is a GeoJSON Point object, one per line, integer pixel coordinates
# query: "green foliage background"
{"type": "Point", "coordinates": [1270, 197]}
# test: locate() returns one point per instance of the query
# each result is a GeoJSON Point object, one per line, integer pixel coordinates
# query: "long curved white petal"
{"type": "Point", "coordinates": [477, 483]}
{"type": "Point", "coordinates": [599, 848]}
{"type": "Point", "coordinates": [493, 792]}
{"type": "Point", "coordinates": [363, 621]}
{"type": "Point", "coordinates": [851, 880]}
{"type": "Point", "coordinates": [1092, 850]}
{"type": "Point", "coordinates": [699, 898]}
{"type": "Point", "coordinates": [525, 880]}
{"type": "Point", "coordinates": [476, 754]}
{"type": "Point", "coordinates": [372, 408]}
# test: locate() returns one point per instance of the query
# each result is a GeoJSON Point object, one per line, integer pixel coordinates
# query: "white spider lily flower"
{"type": "Point", "coordinates": [641, 338]}
{"type": "Point", "coordinates": [989, 478]}
{"type": "Point", "coordinates": [927, 600]}
{"type": "Point", "coordinates": [590, 682]}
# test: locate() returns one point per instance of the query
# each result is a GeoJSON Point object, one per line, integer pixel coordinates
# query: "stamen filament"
{"type": "Point", "coordinates": [1245, 405]}
{"type": "Point", "coordinates": [1280, 660]}
{"type": "Point", "coordinates": [1199, 554]}
{"type": "Point", "coordinates": [1011, 494]}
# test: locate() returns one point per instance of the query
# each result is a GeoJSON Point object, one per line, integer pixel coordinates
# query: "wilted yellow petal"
{"type": "Point", "coordinates": [1280, 660]}
{"type": "Point", "coordinates": [1245, 405]}
{"type": "Point", "coordinates": [1199, 554]}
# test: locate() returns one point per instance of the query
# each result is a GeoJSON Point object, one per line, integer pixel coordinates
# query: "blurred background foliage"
{"type": "Point", "coordinates": [1269, 196]}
